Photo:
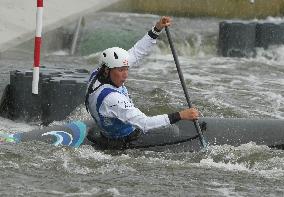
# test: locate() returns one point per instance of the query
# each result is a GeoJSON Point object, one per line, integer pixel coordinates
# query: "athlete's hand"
{"type": "Point", "coordinates": [164, 21]}
{"type": "Point", "coordinates": [189, 114]}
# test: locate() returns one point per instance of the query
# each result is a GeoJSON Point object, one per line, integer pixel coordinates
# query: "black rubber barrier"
{"type": "Point", "coordinates": [62, 95]}
{"type": "Point", "coordinates": [60, 92]}
{"type": "Point", "coordinates": [236, 39]}
{"type": "Point", "coordinates": [239, 38]}
{"type": "Point", "coordinates": [269, 34]}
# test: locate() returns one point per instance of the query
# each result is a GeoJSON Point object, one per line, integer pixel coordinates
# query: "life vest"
{"type": "Point", "coordinates": [112, 127]}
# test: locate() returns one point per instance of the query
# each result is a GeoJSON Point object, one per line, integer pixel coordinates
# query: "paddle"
{"type": "Point", "coordinates": [196, 124]}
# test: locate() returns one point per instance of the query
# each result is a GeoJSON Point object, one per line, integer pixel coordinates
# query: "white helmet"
{"type": "Point", "coordinates": [114, 57]}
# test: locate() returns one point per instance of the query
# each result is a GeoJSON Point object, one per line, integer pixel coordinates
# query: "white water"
{"type": "Point", "coordinates": [221, 87]}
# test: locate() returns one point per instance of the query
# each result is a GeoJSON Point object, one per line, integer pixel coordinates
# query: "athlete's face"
{"type": "Point", "coordinates": [119, 75]}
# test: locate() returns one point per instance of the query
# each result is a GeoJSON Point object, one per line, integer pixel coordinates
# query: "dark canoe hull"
{"type": "Point", "coordinates": [217, 131]}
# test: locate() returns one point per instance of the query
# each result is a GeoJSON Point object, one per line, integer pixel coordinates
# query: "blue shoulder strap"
{"type": "Point", "coordinates": [103, 94]}
{"type": "Point", "coordinates": [93, 74]}
{"type": "Point", "coordinates": [92, 80]}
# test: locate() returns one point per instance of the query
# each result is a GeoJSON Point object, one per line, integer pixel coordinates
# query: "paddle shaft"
{"type": "Point", "coordinates": [196, 123]}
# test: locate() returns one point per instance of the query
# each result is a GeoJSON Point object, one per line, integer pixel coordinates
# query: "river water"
{"type": "Point", "coordinates": [218, 86]}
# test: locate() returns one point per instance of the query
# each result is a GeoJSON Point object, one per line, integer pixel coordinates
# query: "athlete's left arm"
{"type": "Point", "coordinates": [145, 45]}
{"type": "Point", "coordinates": [141, 49]}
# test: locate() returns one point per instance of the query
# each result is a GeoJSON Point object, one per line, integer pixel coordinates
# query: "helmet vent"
{"type": "Point", "coordinates": [104, 54]}
{"type": "Point", "coordinates": [115, 55]}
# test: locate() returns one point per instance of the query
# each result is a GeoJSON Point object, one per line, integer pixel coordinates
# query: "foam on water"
{"type": "Point", "coordinates": [272, 56]}
{"type": "Point", "coordinates": [233, 77]}
{"type": "Point", "coordinates": [99, 170]}
{"type": "Point", "coordinates": [274, 19]}
{"type": "Point", "coordinates": [248, 158]}
{"type": "Point", "coordinates": [60, 53]}
{"type": "Point", "coordinates": [9, 126]}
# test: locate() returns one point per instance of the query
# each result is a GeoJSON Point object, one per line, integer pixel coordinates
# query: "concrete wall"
{"type": "Point", "coordinates": [18, 17]}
